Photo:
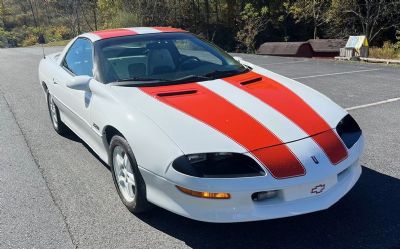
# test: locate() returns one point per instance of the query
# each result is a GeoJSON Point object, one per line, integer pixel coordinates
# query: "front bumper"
{"type": "Point", "coordinates": [294, 196]}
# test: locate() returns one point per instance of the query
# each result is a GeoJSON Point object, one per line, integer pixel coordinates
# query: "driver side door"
{"type": "Point", "coordinates": [74, 105]}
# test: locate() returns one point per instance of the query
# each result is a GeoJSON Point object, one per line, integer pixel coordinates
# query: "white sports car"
{"type": "Point", "coordinates": [187, 127]}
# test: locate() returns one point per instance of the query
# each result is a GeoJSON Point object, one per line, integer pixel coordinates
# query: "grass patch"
{"type": "Point", "coordinates": [388, 51]}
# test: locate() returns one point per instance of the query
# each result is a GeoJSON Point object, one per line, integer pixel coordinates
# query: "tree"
{"type": "Point", "coordinates": [283, 17]}
{"type": "Point", "coordinates": [314, 11]}
{"type": "Point", "coordinates": [249, 21]}
{"type": "Point", "coordinates": [230, 10]}
{"type": "Point", "coordinates": [397, 45]}
{"type": "Point", "coordinates": [253, 22]}
{"type": "Point", "coordinates": [373, 16]}
{"type": "Point", "coordinates": [2, 13]}
{"type": "Point", "coordinates": [33, 13]}
{"type": "Point", "coordinates": [89, 9]}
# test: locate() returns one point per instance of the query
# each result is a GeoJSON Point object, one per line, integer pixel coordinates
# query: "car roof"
{"type": "Point", "coordinates": [111, 33]}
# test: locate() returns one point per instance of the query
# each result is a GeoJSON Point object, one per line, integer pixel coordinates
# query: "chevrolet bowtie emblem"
{"type": "Point", "coordinates": [318, 189]}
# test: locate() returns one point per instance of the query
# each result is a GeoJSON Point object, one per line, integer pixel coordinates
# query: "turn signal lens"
{"type": "Point", "coordinates": [207, 195]}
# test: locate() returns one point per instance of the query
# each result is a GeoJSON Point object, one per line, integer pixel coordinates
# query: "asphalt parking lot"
{"type": "Point", "coordinates": [55, 193]}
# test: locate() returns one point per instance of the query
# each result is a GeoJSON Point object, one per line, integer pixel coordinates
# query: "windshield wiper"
{"type": "Point", "coordinates": [142, 79]}
{"type": "Point", "coordinates": [192, 78]}
{"type": "Point", "coordinates": [225, 73]}
{"type": "Point", "coordinates": [139, 81]}
{"type": "Point", "coordinates": [159, 82]}
{"type": "Point", "coordinates": [185, 78]}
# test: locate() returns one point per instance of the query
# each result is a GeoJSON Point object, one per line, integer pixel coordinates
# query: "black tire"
{"type": "Point", "coordinates": [58, 126]}
{"type": "Point", "coordinates": [139, 204]}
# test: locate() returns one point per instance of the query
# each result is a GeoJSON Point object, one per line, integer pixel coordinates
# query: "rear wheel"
{"type": "Point", "coordinates": [128, 181]}
{"type": "Point", "coordinates": [58, 125]}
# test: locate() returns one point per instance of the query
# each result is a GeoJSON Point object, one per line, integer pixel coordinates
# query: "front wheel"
{"type": "Point", "coordinates": [128, 181]}
{"type": "Point", "coordinates": [58, 125]}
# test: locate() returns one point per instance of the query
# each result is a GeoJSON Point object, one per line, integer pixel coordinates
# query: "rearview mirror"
{"type": "Point", "coordinates": [80, 82]}
{"type": "Point", "coordinates": [41, 39]}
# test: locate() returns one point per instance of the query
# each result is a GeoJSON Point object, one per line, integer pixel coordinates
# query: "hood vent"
{"type": "Point", "coordinates": [176, 93]}
{"type": "Point", "coordinates": [248, 82]}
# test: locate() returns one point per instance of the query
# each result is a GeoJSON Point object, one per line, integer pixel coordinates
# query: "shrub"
{"type": "Point", "coordinates": [388, 51]}
{"type": "Point", "coordinates": [27, 36]}
{"type": "Point", "coordinates": [57, 33]}
{"type": "Point", "coordinates": [30, 40]}
{"type": "Point", "coordinates": [7, 39]}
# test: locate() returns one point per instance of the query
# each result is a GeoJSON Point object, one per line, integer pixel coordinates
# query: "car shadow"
{"type": "Point", "coordinates": [367, 217]}
{"type": "Point", "coordinates": [73, 137]}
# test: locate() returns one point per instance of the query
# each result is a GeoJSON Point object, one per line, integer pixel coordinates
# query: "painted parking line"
{"type": "Point", "coordinates": [373, 104]}
{"type": "Point", "coordinates": [282, 63]}
{"type": "Point", "coordinates": [330, 74]}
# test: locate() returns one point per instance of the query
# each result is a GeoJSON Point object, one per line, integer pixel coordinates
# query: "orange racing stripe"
{"type": "Point", "coordinates": [104, 34]}
{"type": "Point", "coordinates": [294, 108]}
{"type": "Point", "coordinates": [213, 110]}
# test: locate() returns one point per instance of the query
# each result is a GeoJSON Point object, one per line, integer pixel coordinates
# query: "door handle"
{"type": "Point", "coordinates": [55, 82]}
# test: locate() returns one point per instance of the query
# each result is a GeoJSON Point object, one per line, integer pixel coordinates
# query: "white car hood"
{"type": "Point", "coordinates": [221, 116]}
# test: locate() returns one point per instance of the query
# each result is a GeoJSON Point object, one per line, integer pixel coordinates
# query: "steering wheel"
{"type": "Point", "coordinates": [186, 61]}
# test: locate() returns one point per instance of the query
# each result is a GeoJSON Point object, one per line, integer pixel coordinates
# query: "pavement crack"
{"type": "Point", "coordinates": [36, 161]}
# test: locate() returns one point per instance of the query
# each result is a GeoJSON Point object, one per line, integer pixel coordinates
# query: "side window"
{"type": "Point", "coordinates": [79, 58]}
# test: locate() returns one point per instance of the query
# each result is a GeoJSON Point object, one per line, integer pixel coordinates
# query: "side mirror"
{"type": "Point", "coordinates": [80, 82]}
{"type": "Point", "coordinates": [41, 39]}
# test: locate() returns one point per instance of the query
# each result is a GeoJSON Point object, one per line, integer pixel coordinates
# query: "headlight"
{"type": "Point", "coordinates": [217, 165]}
{"type": "Point", "coordinates": [349, 131]}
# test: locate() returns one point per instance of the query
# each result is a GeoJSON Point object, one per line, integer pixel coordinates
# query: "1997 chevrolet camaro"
{"type": "Point", "coordinates": [187, 127]}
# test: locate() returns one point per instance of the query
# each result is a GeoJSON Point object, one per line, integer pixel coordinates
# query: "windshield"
{"type": "Point", "coordinates": [164, 58]}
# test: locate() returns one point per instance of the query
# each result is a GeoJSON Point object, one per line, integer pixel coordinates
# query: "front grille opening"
{"type": "Point", "coordinates": [265, 195]}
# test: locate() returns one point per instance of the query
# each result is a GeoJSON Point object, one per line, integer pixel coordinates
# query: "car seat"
{"type": "Point", "coordinates": [159, 59]}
